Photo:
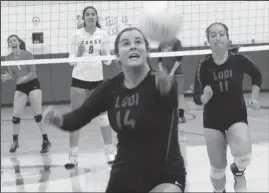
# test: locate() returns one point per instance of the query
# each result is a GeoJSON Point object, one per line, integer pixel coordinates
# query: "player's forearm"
{"type": "Point", "coordinates": [106, 53]}
{"type": "Point", "coordinates": [170, 101]}
{"type": "Point", "coordinates": [255, 92]}
{"type": "Point", "coordinates": [73, 121]}
{"type": "Point", "coordinates": [5, 77]}
{"type": "Point", "coordinates": [105, 50]}
{"type": "Point", "coordinates": [67, 122]}
{"type": "Point", "coordinates": [160, 65]}
{"type": "Point", "coordinates": [79, 54]}
{"type": "Point", "coordinates": [256, 77]}
{"type": "Point", "coordinates": [30, 75]}
{"type": "Point", "coordinates": [198, 94]}
{"type": "Point", "coordinates": [12, 75]}
{"type": "Point", "coordinates": [198, 99]}
{"type": "Point", "coordinates": [176, 65]}
{"type": "Point", "coordinates": [90, 109]}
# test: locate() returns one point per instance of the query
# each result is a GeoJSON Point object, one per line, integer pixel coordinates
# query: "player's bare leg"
{"type": "Point", "coordinates": [239, 139]}
{"type": "Point", "coordinates": [35, 98]}
{"type": "Point", "coordinates": [20, 100]}
{"type": "Point", "coordinates": [216, 144]}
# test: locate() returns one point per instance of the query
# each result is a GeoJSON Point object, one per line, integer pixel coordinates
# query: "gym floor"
{"type": "Point", "coordinates": [29, 171]}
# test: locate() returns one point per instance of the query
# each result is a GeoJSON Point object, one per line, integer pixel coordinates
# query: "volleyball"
{"type": "Point", "coordinates": [161, 26]}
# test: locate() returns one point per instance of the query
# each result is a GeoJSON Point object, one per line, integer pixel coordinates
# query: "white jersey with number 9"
{"type": "Point", "coordinates": [94, 44]}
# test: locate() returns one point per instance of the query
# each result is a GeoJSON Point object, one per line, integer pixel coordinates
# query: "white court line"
{"type": "Point", "coordinates": [263, 144]}
{"type": "Point", "coordinates": [257, 119]}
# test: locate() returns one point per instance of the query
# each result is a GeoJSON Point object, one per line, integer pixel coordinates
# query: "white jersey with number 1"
{"type": "Point", "coordinates": [94, 44]}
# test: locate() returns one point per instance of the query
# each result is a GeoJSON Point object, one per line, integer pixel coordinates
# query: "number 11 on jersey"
{"type": "Point", "coordinates": [223, 86]}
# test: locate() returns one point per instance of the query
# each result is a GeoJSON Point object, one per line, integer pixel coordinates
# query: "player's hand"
{"type": "Point", "coordinates": [72, 63]}
{"type": "Point", "coordinates": [163, 82]}
{"type": "Point", "coordinates": [207, 94]}
{"type": "Point", "coordinates": [254, 104]}
{"type": "Point", "coordinates": [51, 116]}
{"type": "Point", "coordinates": [5, 77]}
{"type": "Point", "coordinates": [80, 24]}
{"type": "Point", "coordinates": [81, 49]}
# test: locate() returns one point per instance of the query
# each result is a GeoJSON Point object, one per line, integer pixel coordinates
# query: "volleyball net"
{"type": "Point", "coordinates": [47, 26]}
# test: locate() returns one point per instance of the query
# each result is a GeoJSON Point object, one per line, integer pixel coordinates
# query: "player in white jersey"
{"type": "Point", "coordinates": [89, 40]}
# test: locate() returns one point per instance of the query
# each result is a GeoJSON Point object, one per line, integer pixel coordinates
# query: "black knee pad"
{"type": "Point", "coordinates": [16, 120]}
{"type": "Point", "coordinates": [38, 118]}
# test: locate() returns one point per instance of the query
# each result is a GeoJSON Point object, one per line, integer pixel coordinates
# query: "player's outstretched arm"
{"type": "Point", "coordinates": [252, 70]}
{"type": "Point", "coordinates": [255, 74]}
{"type": "Point", "coordinates": [167, 89]}
{"type": "Point", "coordinates": [96, 104]}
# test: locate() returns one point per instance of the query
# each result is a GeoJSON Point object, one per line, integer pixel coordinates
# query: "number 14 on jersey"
{"type": "Point", "coordinates": [124, 120]}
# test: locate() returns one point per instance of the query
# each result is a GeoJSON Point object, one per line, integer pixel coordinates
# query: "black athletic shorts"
{"type": "Point", "coordinates": [123, 182]}
{"type": "Point", "coordinates": [89, 85]}
{"type": "Point", "coordinates": [28, 86]}
{"type": "Point", "coordinates": [223, 122]}
{"type": "Point", "coordinates": [117, 184]}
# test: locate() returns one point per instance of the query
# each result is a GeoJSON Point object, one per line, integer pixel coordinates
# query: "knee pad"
{"type": "Point", "coordinates": [103, 120]}
{"type": "Point", "coordinates": [243, 161]}
{"type": "Point", "coordinates": [217, 173]}
{"type": "Point", "coordinates": [38, 118]}
{"type": "Point", "coordinates": [16, 120]}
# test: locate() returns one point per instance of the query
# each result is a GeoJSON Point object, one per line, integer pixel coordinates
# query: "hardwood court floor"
{"type": "Point", "coordinates": [28, 171]}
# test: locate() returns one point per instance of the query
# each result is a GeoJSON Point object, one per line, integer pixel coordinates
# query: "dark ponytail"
{"type": "Point", "coordinates": [22, 44]}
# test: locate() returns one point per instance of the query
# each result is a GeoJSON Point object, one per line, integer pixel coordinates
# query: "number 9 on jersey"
{"type": "Point", "coordinates": [90, 49]}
